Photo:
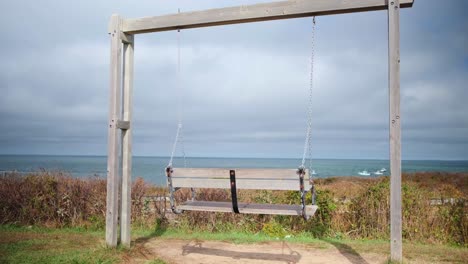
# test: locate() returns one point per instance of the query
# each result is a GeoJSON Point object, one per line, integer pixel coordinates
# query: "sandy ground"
{"type": "Point", "coordinates": [184, 251]}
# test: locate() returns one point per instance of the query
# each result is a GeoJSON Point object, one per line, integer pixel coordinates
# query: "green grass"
{"type": "Point", "coordinates": [43, 245]}
{"type": "Point", "coordinates": [233, 237]}
{"type": "Point", "coordinates": [238, 237]}
{"type": "Point", "coordinates": [156, 261]}
{"type": "Point", "coordinates": [75, 245]}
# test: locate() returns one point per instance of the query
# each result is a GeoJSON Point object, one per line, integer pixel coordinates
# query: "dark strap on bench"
{"type": "Point", "coordinates": [232, 175]}
{"type": "Point", "coordinates": [301, 173]}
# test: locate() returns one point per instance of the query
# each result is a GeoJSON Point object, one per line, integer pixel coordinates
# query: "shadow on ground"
{"type": "Point", "coordinates": [287, 254]}
{"type": "Point", "coordinates": [159, 231]}
{"type": "Point", "coordinates": [348, 252]}
{"type": "Point", "coordinates": [197, 247]}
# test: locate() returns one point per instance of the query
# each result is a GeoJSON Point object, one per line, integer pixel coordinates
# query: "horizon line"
{"type": "Point", "coordinates": [219, 157]}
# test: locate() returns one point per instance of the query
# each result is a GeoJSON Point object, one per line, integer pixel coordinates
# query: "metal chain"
{"type": "Point", "coordinates": [180, 131]}
{"type": "Point", "coordinates": [179, 84]}
{"type": "Point", "coordinates": [311, 181]}
{"type": "Point", "coordinates": [174, 146]}
{"type": "Point", "coordinates": [310, 96]}
{"type": "Point", "coordinates": [182, 147]}
{"type": "Point", "coordinates": [179, 134]}
{"type": "Point", "coordinates": [307, 143]}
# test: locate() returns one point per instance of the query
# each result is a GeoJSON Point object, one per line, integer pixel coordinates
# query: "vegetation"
{"type": "Point", "coordinates": [351, 209]}
{"type": "Point", "coordinates": [75, 245]}
{"type": "Point", "coordinates": [434, 210]}
{"type": "Point", "coordinates": [55, 199]}
{"type": "Point", "coordinates": [42, 245]}
{"type": "Point", "coordinates": [434, 207]}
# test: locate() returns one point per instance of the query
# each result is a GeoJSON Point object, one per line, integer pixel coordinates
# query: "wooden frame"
{"type": "Point", "coordinates": [252, 13]}
{"type": "Point", "coordinates": [395, 129]}
{"type": "Point", "coordinates": [120, 114]}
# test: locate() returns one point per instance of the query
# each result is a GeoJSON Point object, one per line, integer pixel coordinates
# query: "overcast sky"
{"type": "Point", "coordinates": [245, 87]}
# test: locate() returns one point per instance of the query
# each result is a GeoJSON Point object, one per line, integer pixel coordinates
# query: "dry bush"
{"type": "Point", "coordinates": [368, 213]}
{"type": "Point", "coordinates": [51, 198]}
{"type": "Point", "coordinates": [434, 181]}
{"type": "Point", "coordinates": [58, 199]}
{"type": "Point", "coordinates": [345, 188]}
{"type": "Point", "coordinates": [348, 207]}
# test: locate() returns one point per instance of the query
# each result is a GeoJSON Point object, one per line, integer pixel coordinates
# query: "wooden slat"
{"type": "Point", "coordinates": [395, 130]}
{"type": "Point", "coordinates": [223, 173]}
{"type": "Point", "coordinates": [245, 208]}
{"type": "Point", "coordinates": [253, 179]}
{"type": "Point", "coordinates": [112, 136]}
{"type": "Point", "coordinates": [252, 13]}
{"type": "Point", "coordinates": [248, 184]}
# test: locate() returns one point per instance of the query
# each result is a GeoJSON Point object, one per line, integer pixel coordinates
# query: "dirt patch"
{"type": "Point", "coordinates": [196, 251]}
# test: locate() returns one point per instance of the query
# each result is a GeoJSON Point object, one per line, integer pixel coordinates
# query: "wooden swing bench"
{"type": "Point", "coordinates": [248, 179]}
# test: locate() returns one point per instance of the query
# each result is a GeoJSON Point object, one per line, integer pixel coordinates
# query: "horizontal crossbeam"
{"type": "Point", "coordinates": [253, 13]}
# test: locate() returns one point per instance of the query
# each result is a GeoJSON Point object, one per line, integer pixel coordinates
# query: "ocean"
{"type": "Point", "coordinates": [152, 168]}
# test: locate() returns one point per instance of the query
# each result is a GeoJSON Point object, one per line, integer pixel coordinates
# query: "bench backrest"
{"type": "Point", "coordinates": [253, 179]}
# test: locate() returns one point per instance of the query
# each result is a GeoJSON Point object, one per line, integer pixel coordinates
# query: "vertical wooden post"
{"type": "Point", "coordinates": [113, 132]}
{"type": "Point", "coordinates": [395, 129]}
{"type": "Point", "coordinates": [125, 223]}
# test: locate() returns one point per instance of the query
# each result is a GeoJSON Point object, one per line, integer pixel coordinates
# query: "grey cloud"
{"type": "Point", "coordinates": [245, 86]}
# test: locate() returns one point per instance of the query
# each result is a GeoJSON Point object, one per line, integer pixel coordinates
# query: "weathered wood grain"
{"type": "Point", "coordinates": [240, 173]}
{"type": "Point", "coordinates": [248, 184]}
{"type": "Point", "coordinates": [125, 224]}
{"type": "Point", "coordinates": [252, 13]}
{"type": "Point", "coordinates": [253, 179]}
{"type": "Point", "coordinates": [245, 208]}
{"type": "Point", "coordinates": [113, 133]}
{"type": "Point", "coordinates": [395, 129]}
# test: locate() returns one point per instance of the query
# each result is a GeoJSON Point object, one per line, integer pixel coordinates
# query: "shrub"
{"type": "Point", "coordinates": [355, 208]}
{"type": "Point", "coordinates": [369, 212]}
{"type": "Point", "coordinates": [274, 229]}
{"type": "Point", "coordinates": [58, 199]}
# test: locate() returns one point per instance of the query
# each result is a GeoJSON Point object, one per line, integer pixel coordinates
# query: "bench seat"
{"type": "Point", "coordinates": [248, 179]}
{"type": "Point", "coordinates": [246, 208]}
